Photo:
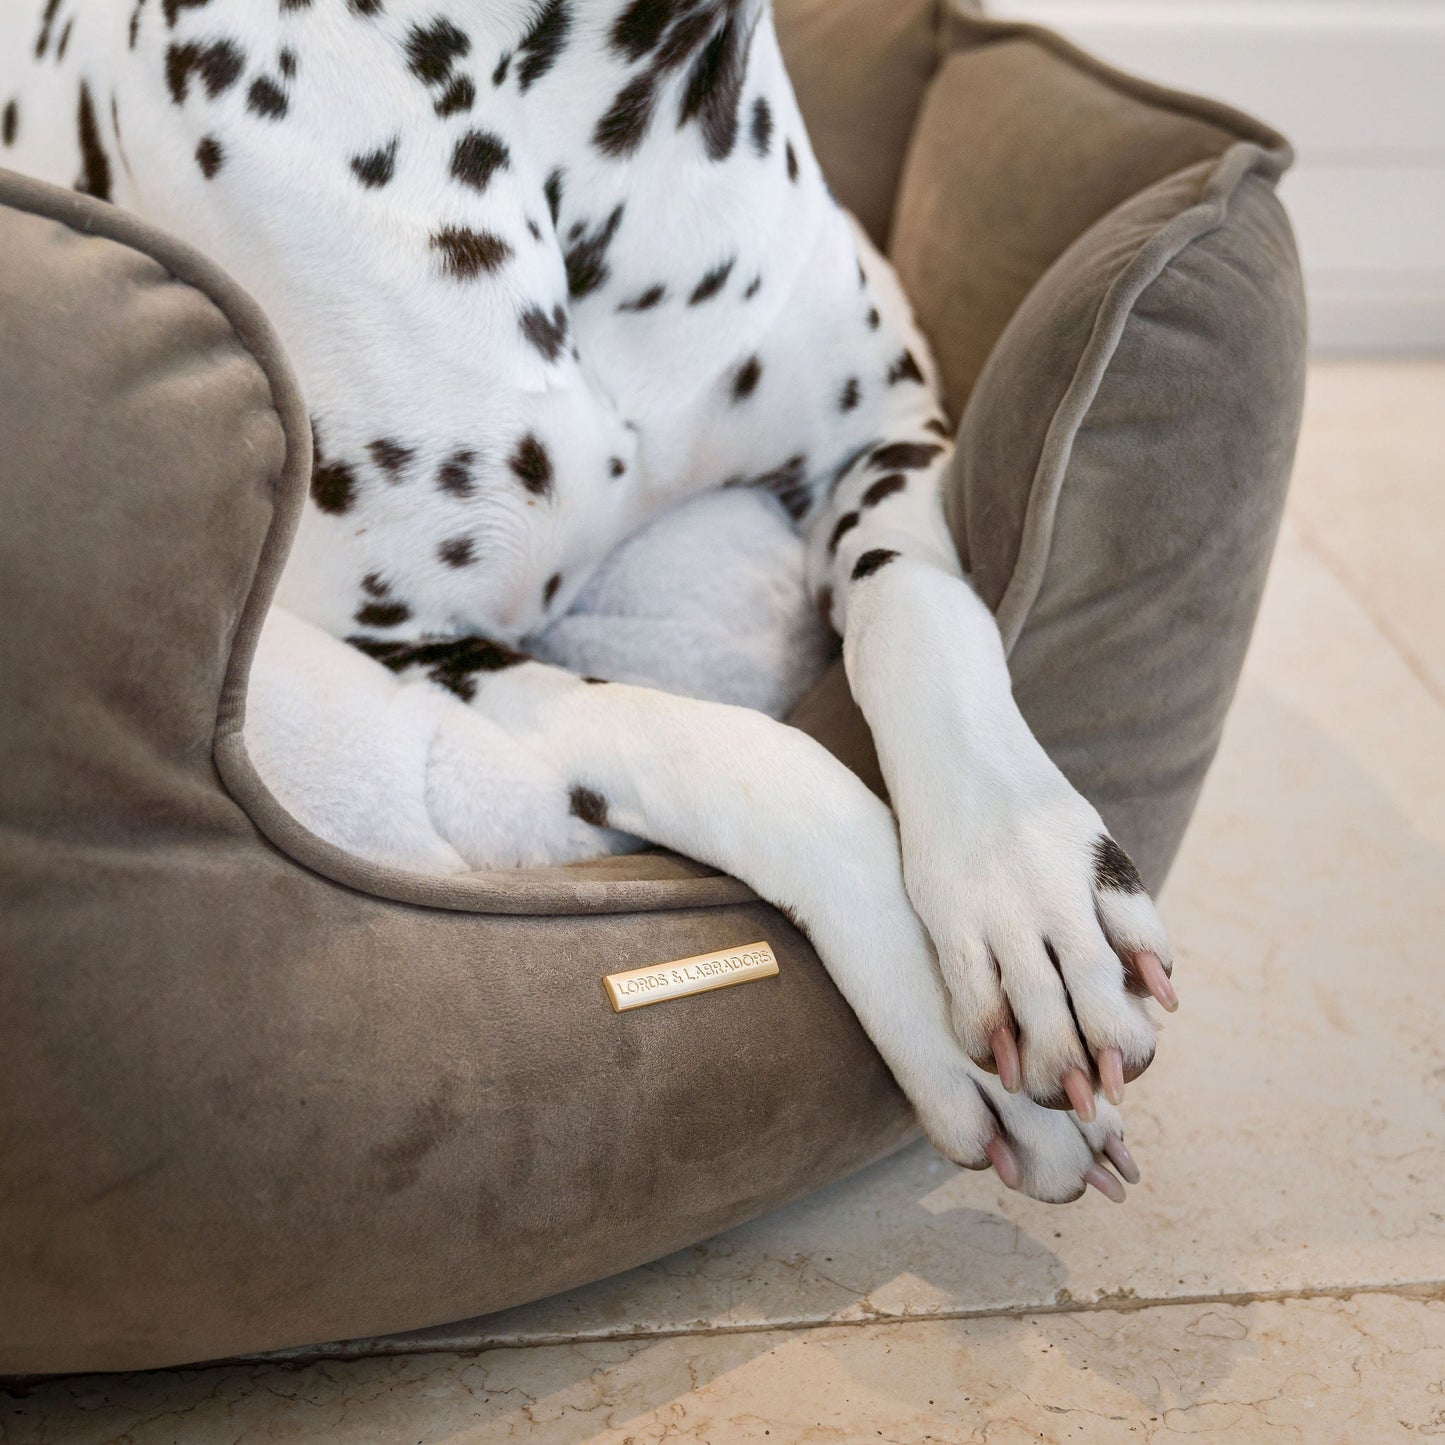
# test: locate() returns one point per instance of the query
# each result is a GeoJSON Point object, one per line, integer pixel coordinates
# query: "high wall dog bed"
{"type": "Point", "coordinates": [256, 1094]}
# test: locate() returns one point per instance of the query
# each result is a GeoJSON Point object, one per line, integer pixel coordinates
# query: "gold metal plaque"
{"type": "Point", "coordinates": [639, 986]}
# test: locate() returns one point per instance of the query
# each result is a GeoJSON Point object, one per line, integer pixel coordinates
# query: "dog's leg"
{"type": "Point", "coordinates": [1045, 935]}
{"type": "Point", "coordinates": [577, 768]}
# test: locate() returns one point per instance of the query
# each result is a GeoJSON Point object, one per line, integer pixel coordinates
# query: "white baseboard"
{"type": "Point", "coordinates": [1357, 87]}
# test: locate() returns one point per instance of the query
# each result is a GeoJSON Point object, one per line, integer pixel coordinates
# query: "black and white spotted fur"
{"type": "Point", "coordinates": [556, 274]}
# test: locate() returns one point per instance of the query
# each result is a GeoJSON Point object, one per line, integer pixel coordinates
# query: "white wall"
{"type": "Point", "coordinates": [1359, 88]}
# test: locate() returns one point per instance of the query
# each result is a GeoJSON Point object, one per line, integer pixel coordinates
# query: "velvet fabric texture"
{"type": "Point", "coordinates": [256, 1094]}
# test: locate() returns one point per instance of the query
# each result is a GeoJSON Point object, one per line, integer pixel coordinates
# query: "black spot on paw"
{"type": "Point", "coordinates": [466, 253]}
{"type": "Point", "coordinates": [754, 286]}
{"type": "Point", "coordinates": [871, 561]}
{"type": "Point", "coordinates": [452, 662]}
{"type": "Point", "coordinates": [543, 43]}
{"type": "Point", "coordinates": [455, 474]}
{"type": "Point", "coordinates": [390, 456]}
{"type": "Point", "coordinates": [10, 123]}
{"type": "Point", "coordinates": [477, 156]}
{"type": "Point", "coordinates": [548, 334]}
{"type": "Point", "coordinates": [550, 590]}
{"type": "Point", "coordinates": [904, 456]}
{"type": "Point", "coordinates": [533, 466]}
{"type": "Point", "coordinates": [846, 523]}
{"type": "Point", "coordinates": [906, 368]}
{"type": "Point", "coordinates": [616, 467]}
{"type": "Point", "coordinates": [374, 586]}
{"type": "Point", "coordinates": [266, 98]}
{"type": "Point", "coordinates": [746, 378]}
{"type": "Point", "coordinates": [590, 806]}
{"type": "Point", "coordinates": [712, 283]}
{"type": "Point", "coordinates": [792, 158]}
{"type": "Point", "coordinates": [883, 487]}
{"type": "Point", "coordinates": [851, 395]}
{"type": "Point", "coordinates": [286, 63]}
{"type": "Point", "coordinates": [333, 483]}
{"type": "Point", "coordinates": [874, 319]}
{"type": "Point", "coordinates": [217, 65]}
{"type": "Point", "coordinates": [375, 168]}
{"type": "Point", "coordinates": [1114, 868]}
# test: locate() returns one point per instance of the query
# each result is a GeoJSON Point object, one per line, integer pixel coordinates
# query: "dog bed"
{"type": "Point", "coordinates": [255, 1093]}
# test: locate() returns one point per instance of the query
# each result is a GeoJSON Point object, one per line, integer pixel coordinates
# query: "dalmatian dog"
{"type": "Point", "coordinates": [564, 284]}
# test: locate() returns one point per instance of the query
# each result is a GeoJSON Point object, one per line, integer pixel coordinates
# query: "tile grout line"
{"type": "Point", "coordinates": [1427, 1290]}
{"type": "Point", "coordinates": [1337, 569]}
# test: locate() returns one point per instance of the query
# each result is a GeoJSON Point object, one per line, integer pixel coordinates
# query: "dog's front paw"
{"type": "Point", "coordinates": [1047, 939]}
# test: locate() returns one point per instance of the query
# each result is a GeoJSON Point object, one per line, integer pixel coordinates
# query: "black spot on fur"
{"type": "Point", "coordinates": [432, 50]}
{"type": "Point", "coordinates": [543, 43]}
{"type": "Point", "coordinates": [904, 456]}
{"type": "Point", "coordinates": [453, 662]}
{"type": "Point", "coordinates": [586, 257]}
{"type": "Point", "coordinates": [455, 474]}
{"type": "Point", "coordinates": [553, 192]}
{"type": "Point", "coordinates": [622, 128]}
{"type": "Point", "coordinates": [591, 807]}
{"type": "Point", "coordinates": [547, 333]}
{"type": "Point", "coordinates": [846, 523]}
{"type": "Point", "coordinates": [637, 30]}
{"type": "Point", "coordinates": [218, 65]}
{"type": "Point", "coordinates": [684, 38]}
{"type": "Point", "coordinates": [937, 426]}
{"type": "Point", "coordinates": [94, 177]}
{"type": "Point", "coordinates": [373, 585]}
{"type": "Point", "coordinates": [905, 369]}
{"type": "Point", "coordinates": [368, 8]}
{"type": "Point", "coordinates": [10, 123]}
{"type": "Point", "coordinates": [383, 614]}
{"type": "Point", "coordinates": [851, 395]}
{"type": "Point", "coordinates": [375, 168]}
{"type": "Point", "coordinates": [550, 590]}
{"type": "Point", "coordinates": [333, 483]}
{"type": "Point", "coordinates": [595, 681]}
{"type": "Point", "coordinates": [172, 9]}
{"type": "Point", "coordinates": [534, 229]}
{"type": "Point", "coordinates": [714, 90]}
{"type": "Point", "coordinates": [286, 63]}
{"type": "Point", "coordinates": [746, 378]}
{"type": "Point", "coordinates": [135, 22]}
{"type": "Point", "coordinates": [754, 286]}
{"type": "Point", "coordinates": [646, 301]}
{"type": "Point", "coordinates": [459, 95]}
{"type": "Point", "coordinates": [616, 467]}
{"type": "Point", "coordinates": [209, 156]}
{"type": "Point", "coordinates": [467, 253]}
{"type": "Point", "coordinates": [457, 552]}
{"type": "Point", "coordinates": [871, 561]}
{"type": "Point", "coordinates": [390, 456]}
{"type": "Point", "coordinates": [874, 319]}
{"type": "Point", "coordinates": [792, 157]}
{"type": "Point", "coordinates": [476, 157]}
{"type": "Point", "coordinates": [64, 44]}
{"type": "Point", "coordinates": [266, 98]}
{"type": "Point", "coordinates": [883, 487]}
{"type": "Point", "coordinates": [762, 125]}
{"type": "Point", "coordinates": [1114, 868]}
{"type": "Point", "coordinates": [712, 283]}
{"type": "Point", "coordinates": [499, 75]}
{"type": "Point", "coordinates": [533, 466]}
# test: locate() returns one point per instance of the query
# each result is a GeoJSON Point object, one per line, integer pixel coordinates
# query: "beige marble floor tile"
{"type": "Point", "coordinates": [1292, 1131]}
{"type": "Point", "coordinates": [1363, 1371]}
{"type": "Point", "coordinates": [1370, 495]}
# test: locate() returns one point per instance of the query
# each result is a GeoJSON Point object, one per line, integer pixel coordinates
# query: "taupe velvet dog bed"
{"type": "Point", "coordinates": [255, 1094]}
